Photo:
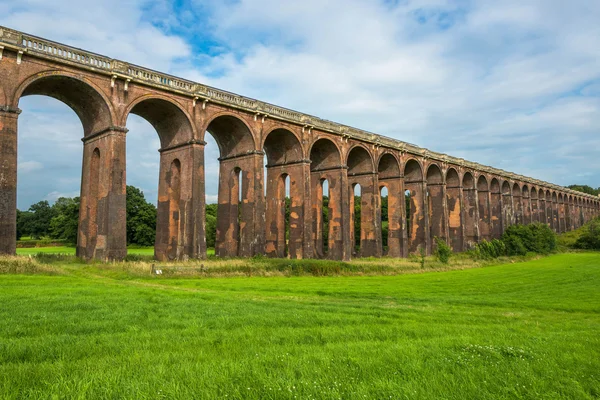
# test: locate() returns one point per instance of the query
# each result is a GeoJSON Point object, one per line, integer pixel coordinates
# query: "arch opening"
{"type": "Point", "coordinates": [435, 205]}
{"type": "Point", "coordinates": [415, 207]}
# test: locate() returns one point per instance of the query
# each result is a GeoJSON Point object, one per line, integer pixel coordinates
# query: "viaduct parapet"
{"type": "Point", "coordinates": [459, 201]}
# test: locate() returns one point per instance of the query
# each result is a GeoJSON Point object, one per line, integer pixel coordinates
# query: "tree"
{"type": "Point", "coordinates": [39, 223]}
{"type": "Point", "coordinates": [64, 224]}
{"type": "Point", "coordinates": [141, 218]}
{"type": "Point", "coordinates": [585, 189]}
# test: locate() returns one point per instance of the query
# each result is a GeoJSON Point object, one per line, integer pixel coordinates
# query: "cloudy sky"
{"type": "Point", "coordinates": [513, 84]}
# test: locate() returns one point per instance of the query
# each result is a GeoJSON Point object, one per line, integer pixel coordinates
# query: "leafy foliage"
{"type": "Point", "coordinates": [491, 249]}
{"type": "Point", "coordinates": [443, 252]}
{"type": "Point", "coordinates": [141, 218]}
{"type": "Point", "coordinates": [590, 238]}
{"type": "Point", "coordinates": [536, 238]}
{"type": "Point", "coordinates": [585, 189]}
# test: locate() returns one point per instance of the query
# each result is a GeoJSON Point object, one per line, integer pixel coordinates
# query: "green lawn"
{"type": "Point", "coordinates": [523, 330]}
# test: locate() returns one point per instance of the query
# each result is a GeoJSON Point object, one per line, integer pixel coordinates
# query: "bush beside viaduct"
{"type": "Point", "coordinates": [450, 198]}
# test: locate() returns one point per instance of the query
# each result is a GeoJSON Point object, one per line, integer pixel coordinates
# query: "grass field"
{"type": "Point", "coordinates": [521, 330]}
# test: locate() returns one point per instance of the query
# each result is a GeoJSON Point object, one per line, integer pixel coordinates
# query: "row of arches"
{"type": "Point", "coordinates": [319, 175]}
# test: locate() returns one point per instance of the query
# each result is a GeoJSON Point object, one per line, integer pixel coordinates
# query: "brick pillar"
{"type": "Point", "coordinates": [518, 208]}
{"type": "Point", "coordinates": [416, 235]}
{"type": "Point", "coordinates": [526, 210]}
{"type": "Point", "coordinates": [370, 219]}
{"type": "Point", "coordinates": [483, 200]}
{"type": "Point", "coordinates": [508, 212]}
{"type": "Point", "coordinates": [496, 227]}
{"type": "Point", "coordinates": [395, 219]}
{"type": "Point", "coordinates": [180, 230]}
{"type": "Point", "coordinates": [102, 214]}
{"type": "Point", "coordinates": [455, 217]}
{"type": "Point", "coordinates": [275, 238]}
{"type": "Point", "coordinates": [534, 208]}
{"type": "Point", "coordinates": [240, 225]}
{"type": "Point", "coordinates": [470, 217]}
{"type": "Point", "coordinates": [8, 179]}
{"type": "Point", "coordinates": [437, 213]}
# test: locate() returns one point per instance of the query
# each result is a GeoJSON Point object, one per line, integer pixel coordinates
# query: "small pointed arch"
{"type": "Point", "coordinates": [413, 171]}
{"type": "Point", "coordinates": [233, 136]}
{"type": "Point", "coordinates": [560, 198]}
{"type": "Point", "coordinates": [495, 186]}
{"type": "Point", "coordinates": [570, 199]}
{"type": "Point", "coordinates": [516, 190]}
{"type": "Point", "coordinates": [548, 195]}
{"type": "Point", "coordinates": [324, 154]}
{"type": "Point", "coordinates": [169, 119]}
{"type": "Point", "coordinates": [282, 147]}
{"type": "Point", "coordinates": [506, 188]}
{"type": "Point", "coordinates": [468, 181]}
{"type": "Point", "coordinates": [434, 175]}
{"type": "Point", "coordinates": [452, 178]}
{"type": "Point", "coordinates": [388, 167]}
{"type": "Point", "coordinates": [554, 197]}
{"type": "Point", "coordinates": [359, 161]}
{"type": "Point", "coordinates": [541, 194]}
{"type": "Point", "coordinates": [81, 95]}
{"type": "Point", "coordinates": [525, 191]}
{"type": "Point", "coordinates": [482, 184]}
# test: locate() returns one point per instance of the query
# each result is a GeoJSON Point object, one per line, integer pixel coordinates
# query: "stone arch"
{"type": "Point", "coordinates": [436, 204]}
{"type": "Point", "coordinates": [88, 101]}
{"type": "Point", "coordinates": [282, 146]}
{"type": "Point", "coordinates": [324, 154]}
{"type": "Point", "coordinates": [413, 171]}
{"type": "Point", "coordinates": [415, 214]}
{"type": "Point", "coordinates": [468, 180]}
{"type": "Point", "coordinates": [172, 123]}
{"type": "Point", "coordinates": [233, 136]}
{"type": "Point", "coordinates": [359, 161]}
{"type": "Point", "coordinates": [240, 223]}
{"type": "Point", "coordinates": [284, 156]}
{"type": "Point", "coordinates": [496, 226]}
{"type": "Point", "coordinates": [388, 168]}
{"type": "Point", "coordinates": [96, 114]}
{"type": "Point", "coordinates": [454, 207]}
{"type": "Point", "coordinates": [365, 233]}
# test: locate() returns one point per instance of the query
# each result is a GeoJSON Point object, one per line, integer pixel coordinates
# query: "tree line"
{"type": "Point", "coordinates": [60, 220]}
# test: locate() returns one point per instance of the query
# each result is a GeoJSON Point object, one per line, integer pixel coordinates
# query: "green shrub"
{"type": "Point", "coordinates": [492, 249]}
{"type": "Point", "coordinates": [590, 238]}
{"type": "Point", "coordinates": [442, 251]}
{"type": "Point", "coordinates": [536, 238]}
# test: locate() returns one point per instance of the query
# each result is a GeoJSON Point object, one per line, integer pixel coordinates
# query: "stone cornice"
{"type": "Point", "coordinates": [45, 49]}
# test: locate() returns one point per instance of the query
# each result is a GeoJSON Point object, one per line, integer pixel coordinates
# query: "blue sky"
{"type": "Point", "coordinates": [512, 84]}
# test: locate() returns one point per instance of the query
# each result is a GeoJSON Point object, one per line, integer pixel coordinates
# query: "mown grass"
{"type": "Point", "coordinates": [520, 330]}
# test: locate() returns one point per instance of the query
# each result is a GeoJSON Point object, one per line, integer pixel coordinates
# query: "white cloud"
{"type": "Point", "coordinates": [29, 166]}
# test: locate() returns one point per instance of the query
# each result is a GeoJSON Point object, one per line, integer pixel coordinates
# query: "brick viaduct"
{"type": "Point", "coordinates": [459, 201]}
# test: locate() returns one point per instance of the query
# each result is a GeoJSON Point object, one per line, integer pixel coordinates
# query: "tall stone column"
{"type": "Point", "coordinates": [8, 179]}
{"type": "Point", "coordinates": [275, 237]}
{"type": "Point", "coordinates": [240, 222]}
{"type": "Point", "coordinates": [395, 219]}
{"type": "Point", "coordinates": [437, 215]}
{"type": "Point", "coordinates": [370, 219]}
{"type": "Point", "coordinates": [180, 231]}
{"type": "Point", "coordinates": [102, 215]}
{"type": "Point", "coordinates": [471, 217]}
